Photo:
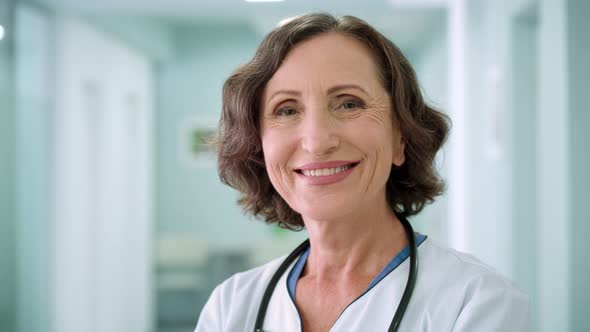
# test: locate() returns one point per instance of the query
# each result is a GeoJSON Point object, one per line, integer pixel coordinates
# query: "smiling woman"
{"type": "Point", "coordinates": [326, 129]}
{"type": "Point", "coordinates": [389, 84]}
{"type": "Point", "coordinates": [334, 90]}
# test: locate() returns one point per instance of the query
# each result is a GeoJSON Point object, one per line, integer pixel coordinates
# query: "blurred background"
{"type": "Point", "coordinates": [112, 217]}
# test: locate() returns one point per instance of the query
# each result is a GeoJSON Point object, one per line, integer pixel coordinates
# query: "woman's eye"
{"type": "Point", "coordinates": [285, 111]}
{"type": "Point", "coordinates": [351, 104]}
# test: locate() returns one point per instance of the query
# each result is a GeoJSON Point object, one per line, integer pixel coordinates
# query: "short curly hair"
{"type": "Point", "coordinates": [240, 156]}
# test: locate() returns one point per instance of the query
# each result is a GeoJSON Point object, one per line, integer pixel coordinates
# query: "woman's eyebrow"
{"type": "Point", "coordinates": [337, 88]}
{"type": "Point", "coordinates": [286, 92]}
{"type": "Point", "coordinates": [331, 90]}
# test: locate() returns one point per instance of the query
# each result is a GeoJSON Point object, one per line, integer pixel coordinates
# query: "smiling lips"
{"type": "Point", "coordinates": [326, 172]}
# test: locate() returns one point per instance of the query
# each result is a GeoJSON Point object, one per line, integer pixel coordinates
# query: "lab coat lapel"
{"type": "Point", "coordinates": [282, 315]}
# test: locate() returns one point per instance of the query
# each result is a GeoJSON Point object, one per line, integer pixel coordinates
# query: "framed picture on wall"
{"type": "Point", "coordinates": [194, 141]}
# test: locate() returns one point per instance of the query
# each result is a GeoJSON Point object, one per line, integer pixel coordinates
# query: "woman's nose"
{"type": "Point", "coordinates": [318, 133]}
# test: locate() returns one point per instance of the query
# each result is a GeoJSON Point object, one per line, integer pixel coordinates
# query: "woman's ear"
{"type": "Point", "coordinates": [399, 151]}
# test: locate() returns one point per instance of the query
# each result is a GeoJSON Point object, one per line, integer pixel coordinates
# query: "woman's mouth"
{"type": "Point", "coordinates": [315, 175]}
{"type": "Point", "coordinates": [325, 171]}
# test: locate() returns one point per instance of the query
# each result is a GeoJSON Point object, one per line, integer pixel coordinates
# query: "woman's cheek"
{"type": "Point", "coordinates": [276, 159]}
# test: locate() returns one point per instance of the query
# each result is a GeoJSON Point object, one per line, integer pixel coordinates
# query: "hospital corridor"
{"type": "Point", "coordinates": [113, 217]}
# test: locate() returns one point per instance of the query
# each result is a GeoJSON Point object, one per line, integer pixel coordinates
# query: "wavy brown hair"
{"type": "Point", "coordinates": [240, 156]}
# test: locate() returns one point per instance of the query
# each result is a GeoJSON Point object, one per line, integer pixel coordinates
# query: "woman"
{"type": "Point", "coordinates": [325, 129]}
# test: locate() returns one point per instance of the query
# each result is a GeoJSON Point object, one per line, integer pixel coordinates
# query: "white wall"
{"type": "Point", "coordinates": [34, 96]}
{"type": "Point", "coordinates": [524, 99]}
{"type": "Point", "coordinates": [579, 136]}
{"type": "Point", "coordinates": [553, 169]}
{"type": "Point", "coordinates": [7, 171]}
{"type": "Point", "coordinates": [486, 136]}
{"type": "Point", "coordinates": [431, 68]}
{"type": "Point", "coordinates": [496, 122]}
{"type": "Point", "coordinates": [148, 36]}
{"type": "Point", "coordinates": [102, 184]}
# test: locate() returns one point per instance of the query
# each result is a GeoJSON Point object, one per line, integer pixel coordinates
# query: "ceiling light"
{"type": "Point", "coordinates": [1, 32]}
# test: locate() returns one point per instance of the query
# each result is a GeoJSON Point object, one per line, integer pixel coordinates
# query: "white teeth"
{"type": "Point", "coordinates": [325, 171]}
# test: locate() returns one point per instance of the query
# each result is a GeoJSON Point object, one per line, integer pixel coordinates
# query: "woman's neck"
{"type": "Point", "coordinates": [354, 246]}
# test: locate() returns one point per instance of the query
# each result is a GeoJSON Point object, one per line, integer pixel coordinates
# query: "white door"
{"type": "Point", "coordinates": [102, 169]}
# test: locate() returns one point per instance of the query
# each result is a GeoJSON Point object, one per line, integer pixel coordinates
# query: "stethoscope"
{"type": "Point", "coordinates": [401, 309]}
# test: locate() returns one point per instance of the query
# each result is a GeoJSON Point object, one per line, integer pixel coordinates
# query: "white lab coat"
{"type": "Point", "coordinates": [454, 292]}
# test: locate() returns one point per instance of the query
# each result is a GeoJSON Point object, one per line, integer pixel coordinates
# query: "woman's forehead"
{"type": "Point", "coordinates": [325, 61]}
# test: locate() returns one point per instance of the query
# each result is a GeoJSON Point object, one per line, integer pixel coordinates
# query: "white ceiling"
{"type": "Point", "coordinates": [408, 22]}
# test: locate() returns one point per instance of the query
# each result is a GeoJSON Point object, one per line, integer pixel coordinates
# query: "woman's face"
{"type": "Point", "coordinates": [327, 131]}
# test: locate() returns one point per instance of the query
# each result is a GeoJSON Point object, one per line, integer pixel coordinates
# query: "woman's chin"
{"type": "Point", "coordinates": [324, 212]}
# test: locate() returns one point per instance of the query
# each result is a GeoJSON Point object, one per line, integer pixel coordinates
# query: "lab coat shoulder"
{"type": "Point", "coordinates": [234, 300]}
{"type": "Point", "coordinates": [489, 301]}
